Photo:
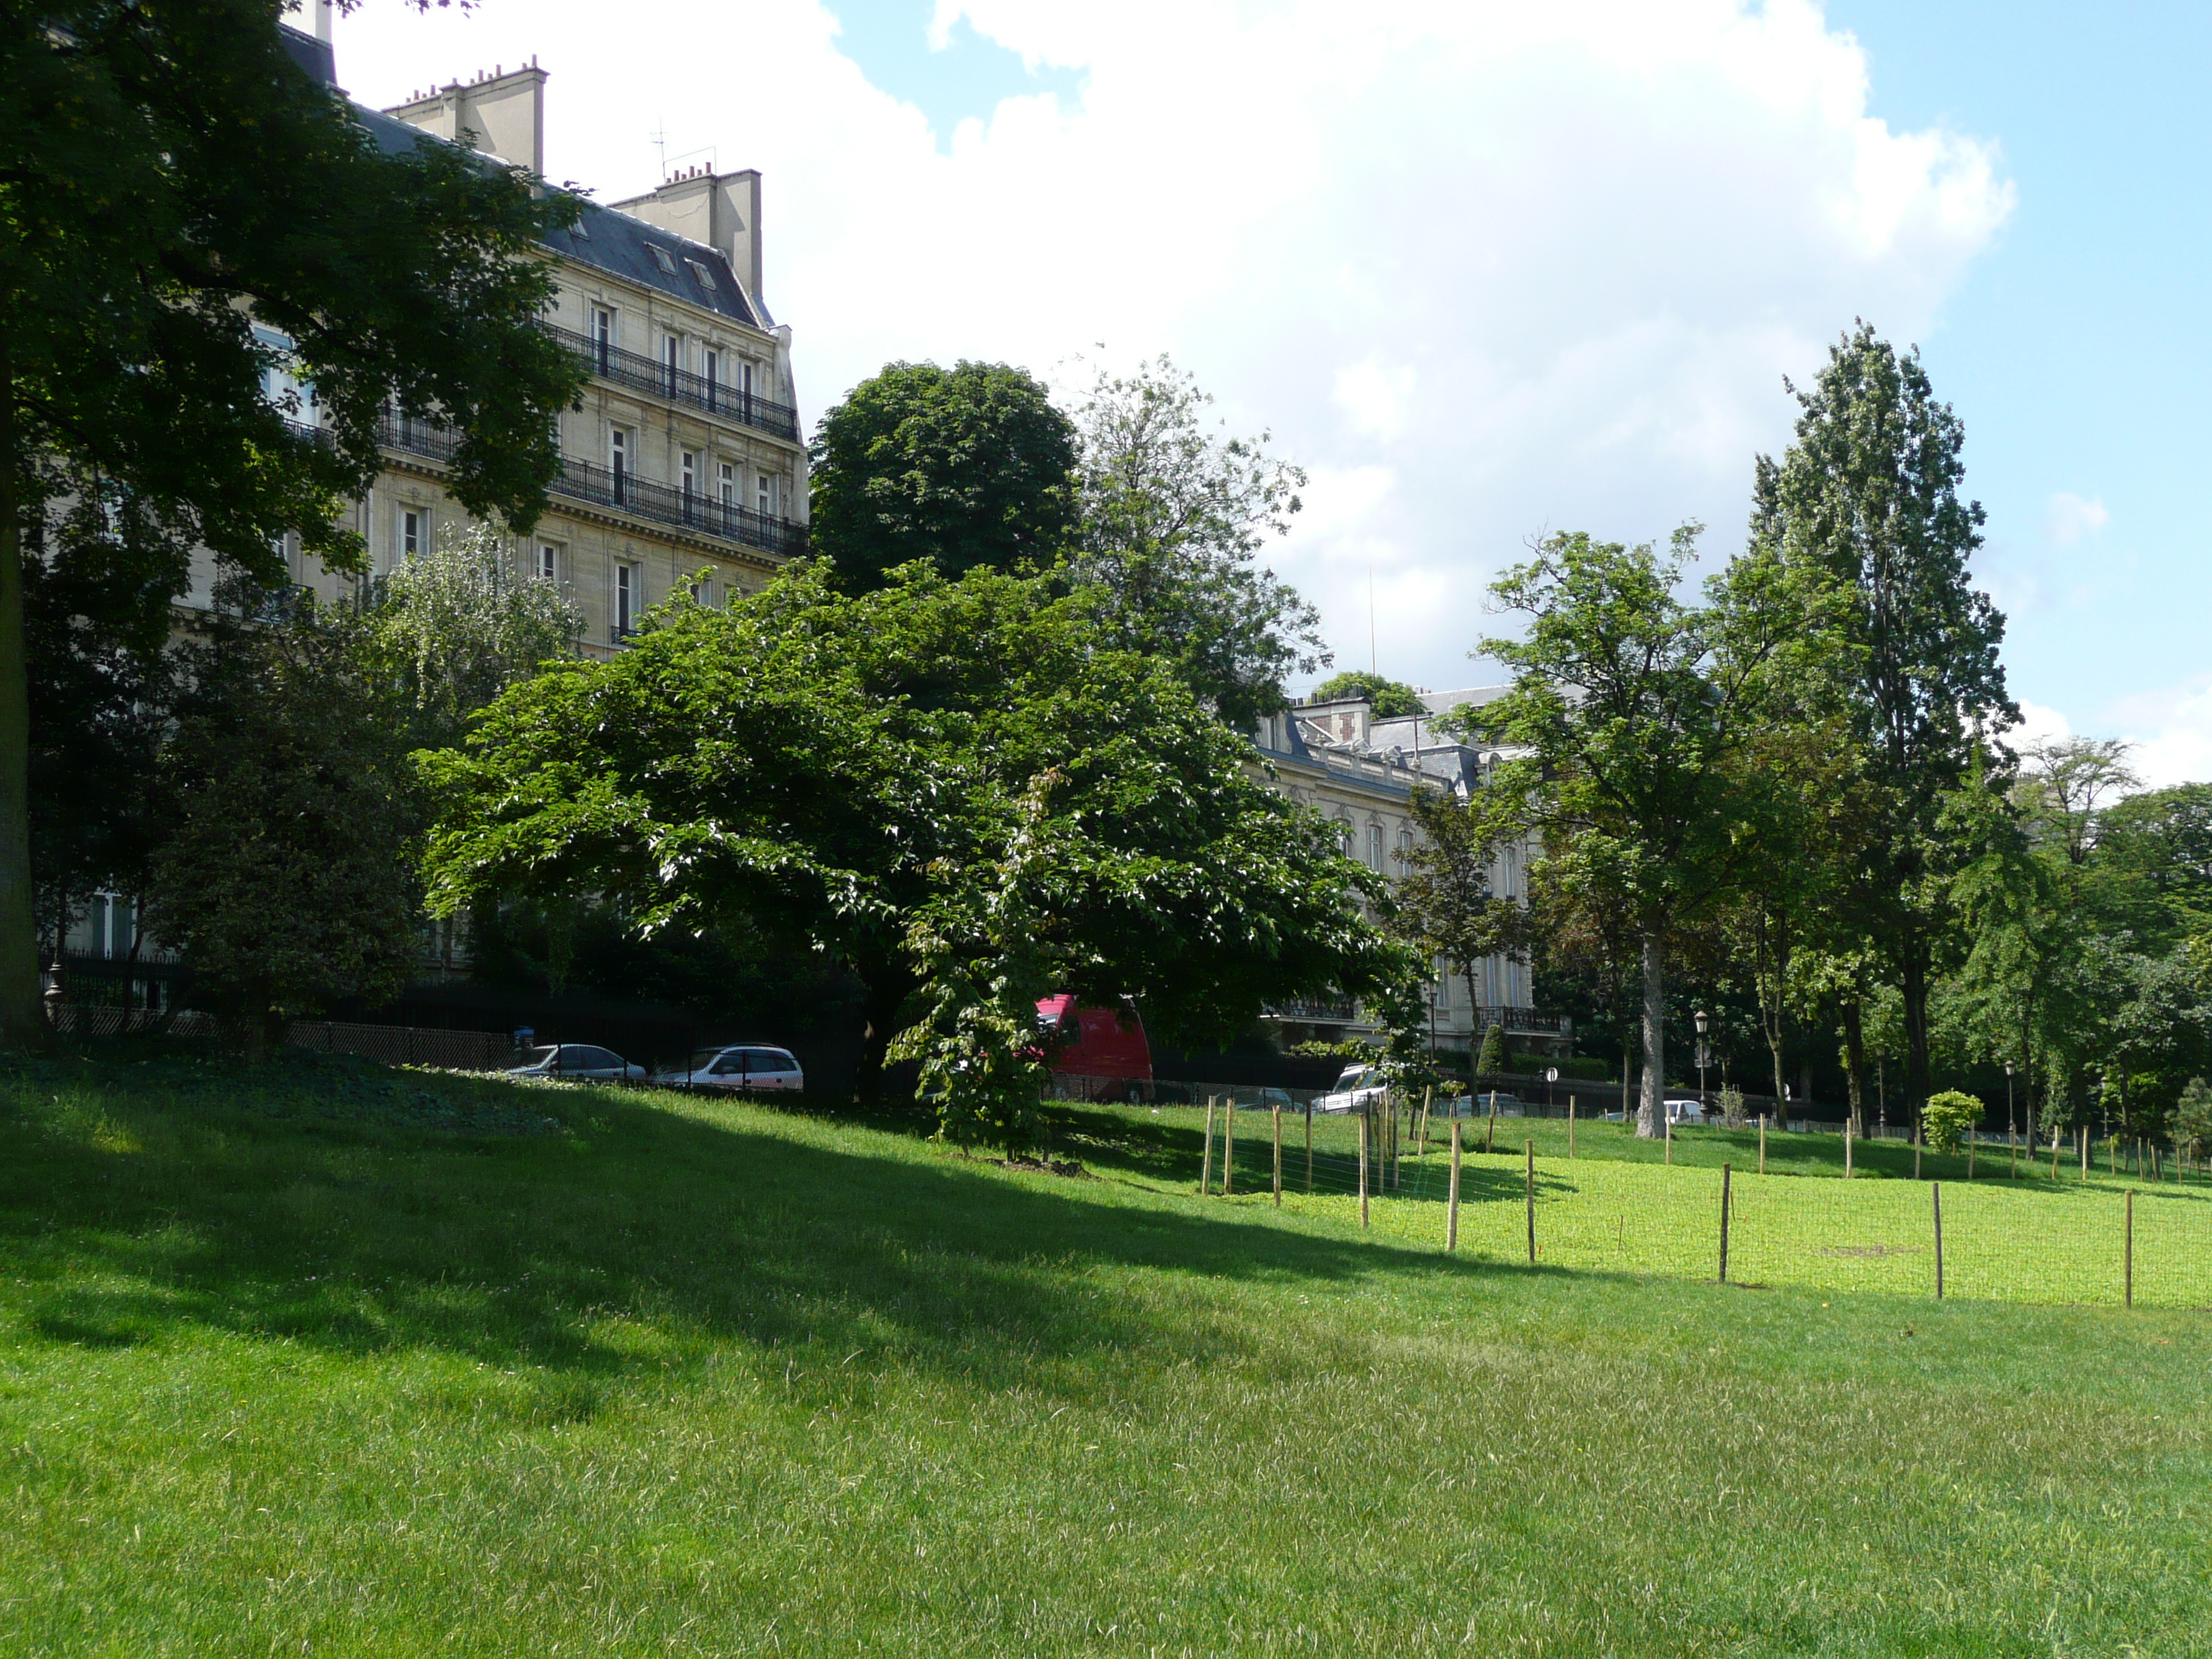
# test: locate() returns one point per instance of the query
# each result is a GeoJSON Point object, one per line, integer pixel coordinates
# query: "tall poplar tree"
{"type": "Point", "coordinates": [1867, 503]}
{"type": "Point", "coordinates": [170, 176]}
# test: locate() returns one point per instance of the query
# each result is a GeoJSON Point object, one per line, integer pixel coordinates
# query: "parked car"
{"type": "Point", "coordinates": [738, 1066]}
{"type": "Point", "coordinates": [1484, 1101]}
{"type": "Point", "coordinates": [584, 1062]}
{"type": "Point", "coordinates": [1265, 1100]}
{"type": "Point", "coordinates": [1684, 1111]}
{"type": "Point", "coordinates": [1359, 1087]}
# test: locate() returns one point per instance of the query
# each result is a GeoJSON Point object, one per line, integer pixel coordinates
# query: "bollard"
{"type": "Point", "coordinates": [1451, 1208]}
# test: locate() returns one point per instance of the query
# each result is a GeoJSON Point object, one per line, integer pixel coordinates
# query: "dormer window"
{"type": "Point", "coordinates": [660, 258]}
{"type": "Point", "coordinates": [705, 277]}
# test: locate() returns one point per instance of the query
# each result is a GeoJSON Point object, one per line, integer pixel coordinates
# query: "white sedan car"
{"type": "Point", "coordinates": [750, 1066]}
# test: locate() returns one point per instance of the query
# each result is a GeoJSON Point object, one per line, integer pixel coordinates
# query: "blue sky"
{"type": "Point", "coordinates": [2078, 349]}
{"type": "Point", "coordinates": [1489, 268]}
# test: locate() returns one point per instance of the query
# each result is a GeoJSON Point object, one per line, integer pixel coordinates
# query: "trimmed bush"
{"type": "Point", "coordinates": [1948, 1116]}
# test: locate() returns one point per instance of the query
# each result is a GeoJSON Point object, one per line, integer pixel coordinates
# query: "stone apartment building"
{"type": "Point", "coordinates": [1360, 771]}
{"type": "Point", "coordinates": [686, 456]}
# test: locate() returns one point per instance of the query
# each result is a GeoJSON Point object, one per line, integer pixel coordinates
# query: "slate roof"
{"type": "Point", "coordinates": [614, 242]}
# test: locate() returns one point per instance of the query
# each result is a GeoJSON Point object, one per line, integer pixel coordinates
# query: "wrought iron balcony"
{"type": "Point", "coordinates": [603, 487]}
{"type": "Point", "coordinates": [641, 374]}
{"type": "Point", "coordinates": [1322, 1010]}
{"type": "Point", "coordinates": [581, 481]}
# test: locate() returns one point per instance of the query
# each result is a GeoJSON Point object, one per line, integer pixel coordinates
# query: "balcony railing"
{"type": "Point", "coordinates": [601, 486]}
{"type": "Point", "coordinates": [1323, 1010]}
{"type": "Point", "coordinates": [641, 374]}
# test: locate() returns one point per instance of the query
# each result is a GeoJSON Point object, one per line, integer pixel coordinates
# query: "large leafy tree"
{"type": "Point", "coordinates": [962, 466]}
{"type": "Point", "coordinates": [1174, 513]}
{"type": "Point", "coordinates": [1445, 905]}
{"type": "Point", "coordinates": [288, 875]}
{"type": "Point", "coordinates": [168, 177]}
{"type": "Point", "coordinates": [1633, 711]}
{"type": "Point", "coordinates": [1866, 505]}
{"type": "Point", "coordinates": [960, 788]}
{"type": "Point", "coordinates": [1390, 699]}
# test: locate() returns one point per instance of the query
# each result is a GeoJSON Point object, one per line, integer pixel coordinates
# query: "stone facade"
{"type": "Point", "coordinates": [1360, 773]}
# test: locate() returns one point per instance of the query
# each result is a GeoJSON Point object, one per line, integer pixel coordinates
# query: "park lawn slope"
{"type": "Point", "coordinates": [328, 1359]}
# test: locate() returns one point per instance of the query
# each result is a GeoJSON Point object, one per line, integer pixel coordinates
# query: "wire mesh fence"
{"type": "Point", "coordinates": [2109, 1231]}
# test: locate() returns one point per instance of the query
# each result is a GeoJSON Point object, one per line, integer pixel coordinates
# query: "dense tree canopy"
{"type": "Point", "coordinates": [966, 466]}
{"type": "Point", "coordinates": [959, 787]}
{"type": "Point", "coordinates": [171, 179]}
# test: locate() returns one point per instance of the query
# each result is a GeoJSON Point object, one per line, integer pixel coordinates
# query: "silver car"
{"type": "Point", "coordinates": [1359, 1087]}
{"type": "Point", "coordinates": [742, 1065]}
{"type": "Point", "coordinates": [583, 1062]}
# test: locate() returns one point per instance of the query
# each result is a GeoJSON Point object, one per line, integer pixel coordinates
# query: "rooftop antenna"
{"type": "Point", "coordinates": [660, 142]}
{"type": "Point", "coordinates": [1372, 667]}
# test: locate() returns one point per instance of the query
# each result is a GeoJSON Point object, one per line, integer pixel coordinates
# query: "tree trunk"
{"type": "Point", "coordinates": [887, 985]}
{"type": "Point", "coordinates": [22, 1018]}
{"type": "Point", "coordinates": [1651, 1110]}
{"type": "Point", "coordinates": [1855, 1063]}
{"type": "Point", "coordinates": [1474, 1019]}
{"type": "Point", "coordinates": [1773, 983]}
{"type": "Point", "coordinates": [1914, 987]}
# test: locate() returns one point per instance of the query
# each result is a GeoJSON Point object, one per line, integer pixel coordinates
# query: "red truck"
{"type": "Point", "coordinates": [1104, 1047]}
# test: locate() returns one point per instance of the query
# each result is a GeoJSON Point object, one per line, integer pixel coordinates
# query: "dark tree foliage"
{"type": "Point", "coordinates": [287, 877]}
{"type": "Point", "coordinates": [168, 177]}
{"type": "Point", "coordinates": [963, 467]}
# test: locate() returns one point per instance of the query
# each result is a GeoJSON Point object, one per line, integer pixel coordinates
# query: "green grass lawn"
{"type": "Point", "coordinates": [333, 1360]}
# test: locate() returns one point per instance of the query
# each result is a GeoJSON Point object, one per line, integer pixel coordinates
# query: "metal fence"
{"type": "Point", "coordinates": [393, 1045]}
{"type": "Point", "coordinates": [2116, 1235]}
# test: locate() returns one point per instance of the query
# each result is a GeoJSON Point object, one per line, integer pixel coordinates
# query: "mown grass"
{"type": "Point", "coordinates": [689, 1376]}
{"type": "Point", "coordinates": [1613, 1206]}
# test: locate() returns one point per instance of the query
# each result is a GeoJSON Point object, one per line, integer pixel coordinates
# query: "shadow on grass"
{"type": "Point", "coordinates": [139, 1201]}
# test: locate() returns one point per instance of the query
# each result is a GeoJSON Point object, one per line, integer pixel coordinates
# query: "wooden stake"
{"type": "Point", "coordinates": [1428, 1099]}
{"type": "Point", "coordinates": [1310, 1147]}
{"type": "Point", "coordinates": [1490, 1135]}
{"type": "Point", "coordinates": [1763, 1116]}
{"type": "Point", "coordinates": [1725, 1222]}
{"type": "Point", "coordinates": [1363, 1169]}
{"type": "Point", "coordinates": [1916, 1151]}
{"type": "Point", "coordinates": [1451, 1208]}
{"type": "Point", "coordinates": [1227, 1145]}
{"type": "Point", "coordinates": [1847, 1148]}
{"type": "Point", "coordinates": [1279, 1154]}
{"type": "Point", "coordinates": [1529, 1148]}
{"type": "Point", "coordinates": [1935, 1198]}
{"type": "Point", "coordinates": [1571, 1125]}
{"type": "Point", "coordinates": [1970, 1154]}
{"type": "Point", "coordinates": [2131, 1248]}
{"type": "Point", "coordinates": [1206, 1164]}
{"type": "Point", "coordinates": [2054, 1154]}
{"type": "Point", "coordinates": [1667, 1118]}
{"type": "Point", "coordinates": [2012, 1141]}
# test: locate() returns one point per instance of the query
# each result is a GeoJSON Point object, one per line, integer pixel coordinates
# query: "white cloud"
{"type": "Point", "coordinates": [2039, 724]}
{"type": "Point", "coordinates": [2070, 518]}
{"type": "Point", "coordinates": [1530, 266]}
{"type": "Point", "coordinates": [2171, 732]}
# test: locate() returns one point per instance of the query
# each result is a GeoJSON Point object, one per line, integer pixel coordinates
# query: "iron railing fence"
{"type": "Point", "coordinates": [642, 374]}
{"type": "Point", "coordinates": [625, 491]}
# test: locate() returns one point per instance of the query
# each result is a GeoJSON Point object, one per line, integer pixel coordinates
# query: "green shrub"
{"type": "Point", "coordinates": [1733, 1112]}
{"type": "Point", "coordinates": [1493, 1057]}
{"type": "Point", "coordinates": [2192, 1120]}
{"type": "Point", "coordinates": [1347, 1049]}
{"type": "Point", "coordinates": [1948, 1116]}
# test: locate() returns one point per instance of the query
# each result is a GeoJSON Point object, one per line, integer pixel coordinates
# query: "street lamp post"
{"type": "Point", "coordinates": [1551, 1076]}
{"type": "Point", "coordinates": [2009, 1131]}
